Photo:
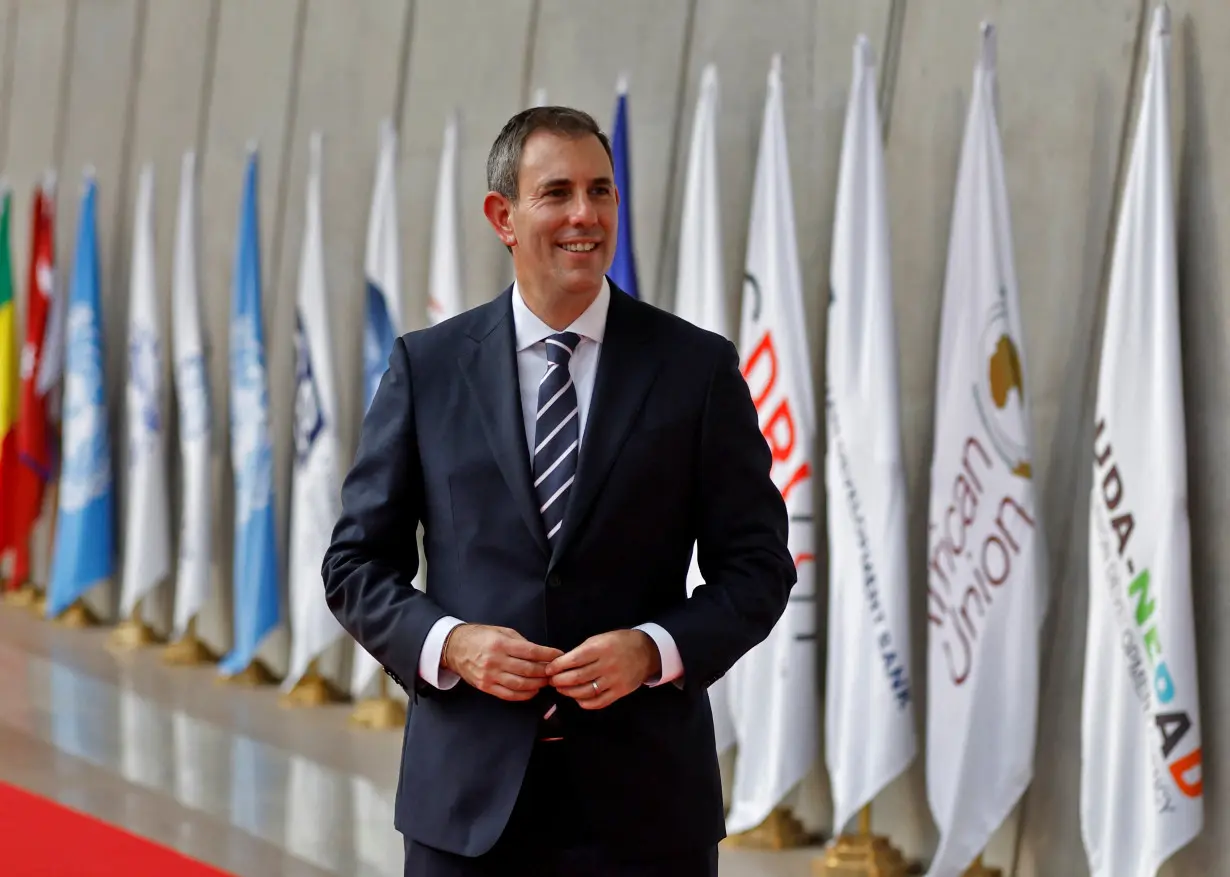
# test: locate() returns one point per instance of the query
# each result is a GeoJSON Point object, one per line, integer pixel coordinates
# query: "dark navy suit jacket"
{"type": "Point", "coordinates": [672, 455]}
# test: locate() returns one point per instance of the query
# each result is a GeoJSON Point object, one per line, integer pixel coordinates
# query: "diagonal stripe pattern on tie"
{"type": "Point", "coordinates": [557, 433]}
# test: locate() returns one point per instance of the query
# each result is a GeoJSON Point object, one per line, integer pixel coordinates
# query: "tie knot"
{"type": "Point", "coordinates": [560, 347]}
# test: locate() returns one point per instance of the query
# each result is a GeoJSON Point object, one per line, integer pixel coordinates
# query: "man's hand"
{"type": "Point", "coordinates": [498, 661]}
{"type": "Point", "coordinates": [619, 662]}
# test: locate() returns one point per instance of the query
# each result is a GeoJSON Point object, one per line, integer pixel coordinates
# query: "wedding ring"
{"type": "Point", "coordinates": [595, 684]}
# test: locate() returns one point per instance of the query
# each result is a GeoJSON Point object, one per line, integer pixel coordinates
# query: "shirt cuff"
{"type": "Point", "coordinates": [672, 662]}
{"type": "Point", "coordinates": [433, 648]}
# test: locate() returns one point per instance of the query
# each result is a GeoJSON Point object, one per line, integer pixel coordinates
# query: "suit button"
{"type": "Point", "coordinates": [554, 580]}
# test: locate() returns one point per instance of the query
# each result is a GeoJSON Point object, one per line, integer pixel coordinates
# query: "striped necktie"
{"type": "Point", "coordinates": [557, 433]}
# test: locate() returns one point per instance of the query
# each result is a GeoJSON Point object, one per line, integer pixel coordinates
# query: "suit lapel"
{"type": "Point", "coordinates": [490, 371]}
{"type": "Point", "coordinates": [626, 370]}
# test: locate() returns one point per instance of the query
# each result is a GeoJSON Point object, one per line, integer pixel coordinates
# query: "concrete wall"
{"type": "Point", "coordinates": [117, 83]}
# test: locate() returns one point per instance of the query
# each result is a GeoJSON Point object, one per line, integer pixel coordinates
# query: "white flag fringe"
{"type": "Point", "coordinates": [773, 690]}
{"type": "Point", "coordinates": [1141, 762]}
{"type": "Point", "coordinates": [147, 537]}
{"type": "Point", "coordinates": [315, 488]}
{"type": "Point", "coordinates": [195, 560]}
{"type": "Point", "coordinates": [700, 296]}
{"type": "Point", "coordinates": [985, 591]}
{"type": "Point", "coordinates": [444, 284]}
{"type": "Point", "coordinates": [869, 714]}
{"type": "Point", "coordinates": [382, 271]}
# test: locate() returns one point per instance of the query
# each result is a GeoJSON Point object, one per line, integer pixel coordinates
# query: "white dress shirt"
{"type": "Point", "coordinates": [531, 334]}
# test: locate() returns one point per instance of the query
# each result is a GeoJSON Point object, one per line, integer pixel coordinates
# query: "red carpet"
{"type": "Point", "coordinates": [39, 838]}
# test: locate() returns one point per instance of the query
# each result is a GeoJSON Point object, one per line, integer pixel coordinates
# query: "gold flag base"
{"type": "Point", "coordinates": [379, 714]}
{"type": "Point", "coordinates": [861, 855]}
{"type": "Point", "coordinates": [977, 869]}
{"type": "Point", "coordinates": [76, 616]}
{"type": "Point", "coordinates": [251, 676]}
{"type": "Point", "coordinates": [22, 597]}
{"type": "Point", "coordinates": [132, 634]}
{"type": "Point", "coordinates": [780, 831]}
{"type": "Point", "coordinates": [188, 651]}
{"type": "Point", "coordinates": [311, 690]}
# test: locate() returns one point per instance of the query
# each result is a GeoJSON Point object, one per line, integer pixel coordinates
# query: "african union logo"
{"type": "Point", "coordinates": [309, 420]}
{"type": "Point", "coordinates": [1000, 391]}
{"type": "Point", "coordinates": [86, 472]}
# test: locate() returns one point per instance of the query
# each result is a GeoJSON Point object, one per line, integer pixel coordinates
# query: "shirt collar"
{"type": "Point", "coordinates": [531, 330]}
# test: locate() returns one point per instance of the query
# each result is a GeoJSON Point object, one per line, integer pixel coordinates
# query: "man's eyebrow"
{"type": "Point", "coordinates": [557, 182]}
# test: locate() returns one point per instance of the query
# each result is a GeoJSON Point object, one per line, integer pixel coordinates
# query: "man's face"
{"type": "Point", "coordinates": [566, 218]}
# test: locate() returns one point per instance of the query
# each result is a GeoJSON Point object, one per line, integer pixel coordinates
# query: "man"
{"type": "Point", "coordinates": [563, 446]}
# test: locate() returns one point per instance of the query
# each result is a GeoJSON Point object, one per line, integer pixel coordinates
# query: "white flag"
{"type": "Point", "coordinates": [773, 687]}
{"type": "Point", "coordinates": [315, 487]}
{"type": "Point", "coordinates": [1141, 764]}
{"type": "Point", "coordinates": [700, 296]}
{"type": "Point", "coordinates": [195, 562]}
{"type": "Point", "coordinates": [985, 591]}
{"type": "Point", "coordinates": [444, 297]}
{"type": "Point", "coordinates": [869, 715]}
{"type": "Point", "coordinates": [382, 322]}
{"type": "Point", "coordinates": [147, 537]}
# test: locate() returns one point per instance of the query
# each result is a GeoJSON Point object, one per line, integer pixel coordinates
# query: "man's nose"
{"type": "Point", "coordinates": [583, 214]}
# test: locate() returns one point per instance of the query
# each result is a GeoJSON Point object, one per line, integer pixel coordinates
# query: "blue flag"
{"type": "Point", "coordinates": [623, 267]}
{"type": "Point", "coordinates": [382, 268]}
{"type": "Point", "coordinates": [84, 552]}
{"type": "Point", "coordinates": [255, 574]}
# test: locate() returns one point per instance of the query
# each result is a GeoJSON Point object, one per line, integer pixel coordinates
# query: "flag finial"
{"type": "Point", "coordinates": [1161, 20]}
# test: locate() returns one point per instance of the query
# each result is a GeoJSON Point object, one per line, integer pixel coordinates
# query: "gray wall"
{"type": "Point", "coordinates": [116, 83]}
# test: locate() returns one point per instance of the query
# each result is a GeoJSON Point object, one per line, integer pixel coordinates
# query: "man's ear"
{"type": "Point", "coordinates": [498, 211]}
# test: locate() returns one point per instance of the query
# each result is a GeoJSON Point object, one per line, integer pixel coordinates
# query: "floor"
{"type": "Point", "coordinates": [223, 774]}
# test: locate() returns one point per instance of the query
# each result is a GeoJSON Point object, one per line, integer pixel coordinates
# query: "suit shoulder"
{"type": "Point", "coordinates": [446, 337]}
{"type": "Point", "coordinates": [684, 335]}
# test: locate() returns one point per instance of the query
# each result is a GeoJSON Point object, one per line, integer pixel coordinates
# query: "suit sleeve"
{"type": "Point", "coordinates": [742, 547]}
{"type": "Point", "coordinates": [370, 564]}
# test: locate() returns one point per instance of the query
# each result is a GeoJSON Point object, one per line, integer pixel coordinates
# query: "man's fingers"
{"type": "Point", "coordinates": [504, 693]}
{"type": "Point", "coordinates": [571, 678]}
{"type": "Point", "coordinates": [581, 656]}
{"type": "Point", "coordinates": [528, 651]}
{"type": "Point", "coordinates": [528, 669]}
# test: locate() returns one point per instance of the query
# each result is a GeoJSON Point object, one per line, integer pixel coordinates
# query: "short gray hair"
{"type": "Point", "coordinates": [504, 160]}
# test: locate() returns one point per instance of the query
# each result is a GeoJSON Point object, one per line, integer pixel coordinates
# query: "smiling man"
{"type": "Point", "coordinates": [564, 447]}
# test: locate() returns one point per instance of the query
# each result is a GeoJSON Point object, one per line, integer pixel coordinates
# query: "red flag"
{"type": "Point", "coordinates": [34, 437]}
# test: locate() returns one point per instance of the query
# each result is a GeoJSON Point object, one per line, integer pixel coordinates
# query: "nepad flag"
{"type": "Point", "coordinates": [1141, 787]}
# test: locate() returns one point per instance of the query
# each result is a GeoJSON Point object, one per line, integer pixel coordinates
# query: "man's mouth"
{"type": "Point", "coordinates": [578, 248]}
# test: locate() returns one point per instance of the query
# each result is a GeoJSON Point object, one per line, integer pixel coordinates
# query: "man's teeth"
{"type": "Point", "coordinates": [578, 248]}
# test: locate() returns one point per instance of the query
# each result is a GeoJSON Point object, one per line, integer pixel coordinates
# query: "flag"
{"type": "Point", "coordinates": [194, 560]}
{"type": "Point", "coordinates": [255, 572]}
{"type": "Point", "coordinates": [985, 591]}
{"type": "Point", "coordinates": [147, 532]}
{"type": "Point", "coordinates": [84, 551]}
{"type": "Point", "coordinates": [623, 266]}
{"type": "Point", "coordinates": [34, 438]}
{"type": "Point", "coordinates": [700, 296]}
{"type": "Point", "coordinates": [1141, 757]}
{"type": "Point", "coordinates": [8, 388]}
{"type": "Point", "coordinates": [869, 714]}
{"type": "Point", "coordinates": [315, 489]}
{"type": "Point", "coordinates": [444, 295]}
{"type": "Point", "coordinates": [773, 692]}
{"type": "Point", "coordinates": [382, 326]}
